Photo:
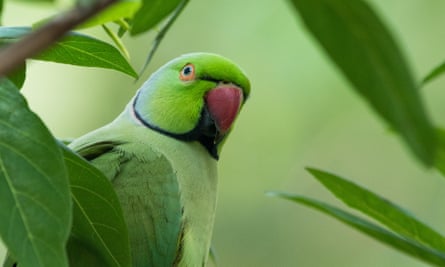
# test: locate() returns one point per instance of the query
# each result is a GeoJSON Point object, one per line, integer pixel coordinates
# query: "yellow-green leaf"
{"type": "Point", "coordinates": [118, 11]}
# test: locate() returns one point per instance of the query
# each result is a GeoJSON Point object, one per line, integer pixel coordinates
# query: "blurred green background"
{"type": "Point", "coordinates": [301, 113]}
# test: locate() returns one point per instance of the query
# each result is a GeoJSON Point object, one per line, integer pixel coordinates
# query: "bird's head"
{"type": "Point", "coordinates": [195, 97]}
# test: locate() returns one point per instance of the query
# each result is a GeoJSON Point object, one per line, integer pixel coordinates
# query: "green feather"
{"type": "Point", "coordinates": [167, 190]}
{"type": "Point", "coordinates": [166, 185]}
{"type": "Point", "coordinates": [158, 156]}
{"type": "Point", "coordinates": [173, 105]}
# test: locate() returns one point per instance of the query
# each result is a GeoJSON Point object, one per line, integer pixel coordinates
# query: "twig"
{"type": "Point", "coordinates": [162, 32]}
{"type": "Point", "coordinates": [117, 41]}
{"type": "Point", "coordinates": [40, 39]}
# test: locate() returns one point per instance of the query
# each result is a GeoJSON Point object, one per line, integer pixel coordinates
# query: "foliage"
{"type": "Point", "coordinates": [45, 186]}
{"type": "Point", "coordinates": [76, 49]}
{"type": "Point", "coordinates": [383, 78]}
{"type": "Point", "coordinates": [406, 233]}
{"type": "Point", "coordinates": [362, 47]}
{"type": "Point", "coordinates": [98, 224]}
{"type": "Point", "coordinates": [29, 207]}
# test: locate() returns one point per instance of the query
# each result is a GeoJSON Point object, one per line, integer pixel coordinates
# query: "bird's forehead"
{"type": "Point", "coordinates": [212, 66]}
{"type": "Point", "coordinates": [203, 60]}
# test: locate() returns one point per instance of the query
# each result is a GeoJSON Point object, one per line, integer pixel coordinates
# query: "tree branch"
{"type": "Point", "coordinates": [15, 54]}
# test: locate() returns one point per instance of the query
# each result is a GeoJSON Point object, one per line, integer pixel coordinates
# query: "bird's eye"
{"type": "Point", "coordinates": [187, 73]}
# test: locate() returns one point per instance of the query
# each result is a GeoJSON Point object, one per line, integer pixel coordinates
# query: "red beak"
{"type": "Point", "coordinates": [223, 103]}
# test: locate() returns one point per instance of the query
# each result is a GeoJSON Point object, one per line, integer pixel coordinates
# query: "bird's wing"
{"type": "Point", "coordinates": [148, 190]}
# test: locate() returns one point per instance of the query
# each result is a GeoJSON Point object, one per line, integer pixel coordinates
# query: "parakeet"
{"type": "Point", "coordinates": [161, 152]}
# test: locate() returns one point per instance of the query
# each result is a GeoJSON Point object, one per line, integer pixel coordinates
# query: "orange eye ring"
{"type": "Point", "coordinates": [187, 73]}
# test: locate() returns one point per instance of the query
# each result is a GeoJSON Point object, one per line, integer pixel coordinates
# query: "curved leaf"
{"type": "Point", "coordinates": [403, 244]}
{"type": "Point", "coordinates": [434, 73]}
{"type": "Point", "coordinates": [151, 13]}
{"type": "Point", "coordinates": [75, 49]}
{"type": "Point", "coordinates": [82, 50]}
{"type": "Point", "coordinates": [120, 10]}
{"type": "Point", "coordinates": [381, 209]}
{"type": "Point", "coordinates": [440, 158]}
{"type": "Point", "coordinates": [34, 1]}
{"type": "Point", "coordinates": [35, 206]}
{"type": "Point", "coordinates": [1, 11]}
{"type": "Point", "coordinates": [116, 12]}
{"type": "Point", "coordinates": [99, 235]}
{"type": "Point", "coordinates": [363, 48]}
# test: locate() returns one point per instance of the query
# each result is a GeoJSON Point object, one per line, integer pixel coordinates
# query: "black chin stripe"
{"type": "Point", "coordinates": [205, 131]}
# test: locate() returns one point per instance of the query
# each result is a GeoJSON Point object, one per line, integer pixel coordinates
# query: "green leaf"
{"type": "Point", "coordinates": [18, 76]}
{"type": "Point", "coordinates": [85, 3]}
{"type": "Point", "coordinates": [99, 235]}
{"type": "Point", "coordinates": [9, 261]}
{"type": "Point", "coordinates": [120, 10]}
{"type": "Point", "coordinates": [403, 244]}
{"type": "Point", "coordinates": [1, 11]}
{"type": "Point", "coordinates": [213, 257]}
{"type": "Point", "coordinates": [151, 13]}
{"type": "Point", "coordinates": [435, 73]}
{"type": "Point", "coordinates": [36, 1]}
{"type": "Point", "coordinates": [116, 12]}
{"type": "Point", "coordinates": [35, 203]}
{"type": "Point", "coordinates": [380, 209]}
{"type": "Point", "coordinates": [75, 49]}
{"type": "Point", "coordinates": [440, 157]}
{"type": "Point", "coordinates": [362, 47]}
{"type": "Point", "coordinates": [82, 50]}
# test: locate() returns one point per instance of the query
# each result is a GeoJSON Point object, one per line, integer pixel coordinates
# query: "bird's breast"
{"type": "Point", "coordinates": [169, 195]}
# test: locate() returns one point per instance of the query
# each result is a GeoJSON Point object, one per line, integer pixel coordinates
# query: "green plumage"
{"type": "Point", "coordinates": [147, 169]}
{"type": "Point", "coordinates": [167, 187]}
{"type": "Point", "coordinates": [161, 154]}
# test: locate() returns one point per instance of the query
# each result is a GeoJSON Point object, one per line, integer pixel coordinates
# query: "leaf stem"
{"type": "Point", "coordinates": [122, 23]}
{"type": "Point", "coordinates": [117, 41]}
{"type": "Point", "coordinates": [157, 41]}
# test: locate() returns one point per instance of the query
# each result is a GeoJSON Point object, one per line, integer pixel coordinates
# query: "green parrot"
{"type": "Point", "coordinates": [161, 152]}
